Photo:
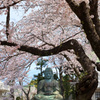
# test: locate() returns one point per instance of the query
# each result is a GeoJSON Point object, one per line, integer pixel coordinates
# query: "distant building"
{"type": "Point", "coordinates": [3, 90]}
{"type": "Point", "coordinates": [97, 92]}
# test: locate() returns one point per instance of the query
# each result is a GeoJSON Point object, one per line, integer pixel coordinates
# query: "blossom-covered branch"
{"type": "Point", "coordinates": [71, 44]}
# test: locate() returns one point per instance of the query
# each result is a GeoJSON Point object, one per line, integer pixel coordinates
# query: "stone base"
{"type": "Point", "coordinates": [51, 97]}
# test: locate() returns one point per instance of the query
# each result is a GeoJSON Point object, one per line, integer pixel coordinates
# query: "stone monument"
{"type": "Point", "coordinates": [48, 89]}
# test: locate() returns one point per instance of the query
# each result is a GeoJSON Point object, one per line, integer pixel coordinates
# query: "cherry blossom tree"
{"type": "Point", "coordinates": [69, 28]}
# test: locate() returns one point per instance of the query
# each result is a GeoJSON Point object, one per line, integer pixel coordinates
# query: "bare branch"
{"type": "Point", "coordinates": [72, 65]}
{"type": "Point", "coordinates": [72, 36]}
{"type": "Point", "coordinates": [43, 41]}
{"type": "Point", "coordinates": [9, 57]}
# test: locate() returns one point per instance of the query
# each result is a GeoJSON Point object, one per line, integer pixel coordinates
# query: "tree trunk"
{"type": "Point", "coordinates": [61, 80]}
{"type": "Point", "coordinates": [87, 86]}
{"type": "Point", "coordinates": [27, 96]}
{"type": "Point", "coordinates": [12, 94]}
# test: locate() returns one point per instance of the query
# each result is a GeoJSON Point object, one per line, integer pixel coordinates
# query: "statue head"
{"type": "Point", "coordinates": [48, 73]}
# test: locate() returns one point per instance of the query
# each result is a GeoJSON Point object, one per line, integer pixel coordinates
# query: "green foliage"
{"type": "Point", "coordinates": [33, 82]}
{"type": "Point", "coordinates": [82, 75]}
{"type": "Point", "coordinates": [36, 81]}
{"type": "Point", "coordinates": [55, 76]}
{"type": "Point", "coordinates": [39, 77]}
{"type": "Point", "coordinates": [41, 63]}
{"type": "Point", "coordinates": [19, 98]}
{"type": "Point", "coordinates": [68, 88]}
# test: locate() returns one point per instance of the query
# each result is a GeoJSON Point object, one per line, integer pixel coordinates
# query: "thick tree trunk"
{"type": "Point", "coordinates": [87, 86]}
{"type": "Point", "coordinates": [90, 25]}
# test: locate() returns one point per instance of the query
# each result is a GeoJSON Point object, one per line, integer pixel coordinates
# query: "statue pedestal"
{"type": "Point", "coordinates": [49, 97]}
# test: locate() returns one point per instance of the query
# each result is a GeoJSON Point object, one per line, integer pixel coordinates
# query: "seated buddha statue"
{"type": "Point", "coordinates": [48, 89]}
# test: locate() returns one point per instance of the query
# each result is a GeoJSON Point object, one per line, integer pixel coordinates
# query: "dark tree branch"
{"type": "Point", "coordinates": [71, 44]}
{"type": "Point", "coordinates": [94, 13]}
{"type": "Point", "coordinates": [29, 90]}
{"type": "Point", "coordinates": [97, 64]}
{"type": "Point", "coordinates": [7, 21]}
{"type": "Point", "coordinates": [24, 91]}
{"type": "Point", "coordinates": [27, 94]}
{"type": "Point", "coordinates": [83, 13]}
{"type": "Point", "coordinates": [75, 7]}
